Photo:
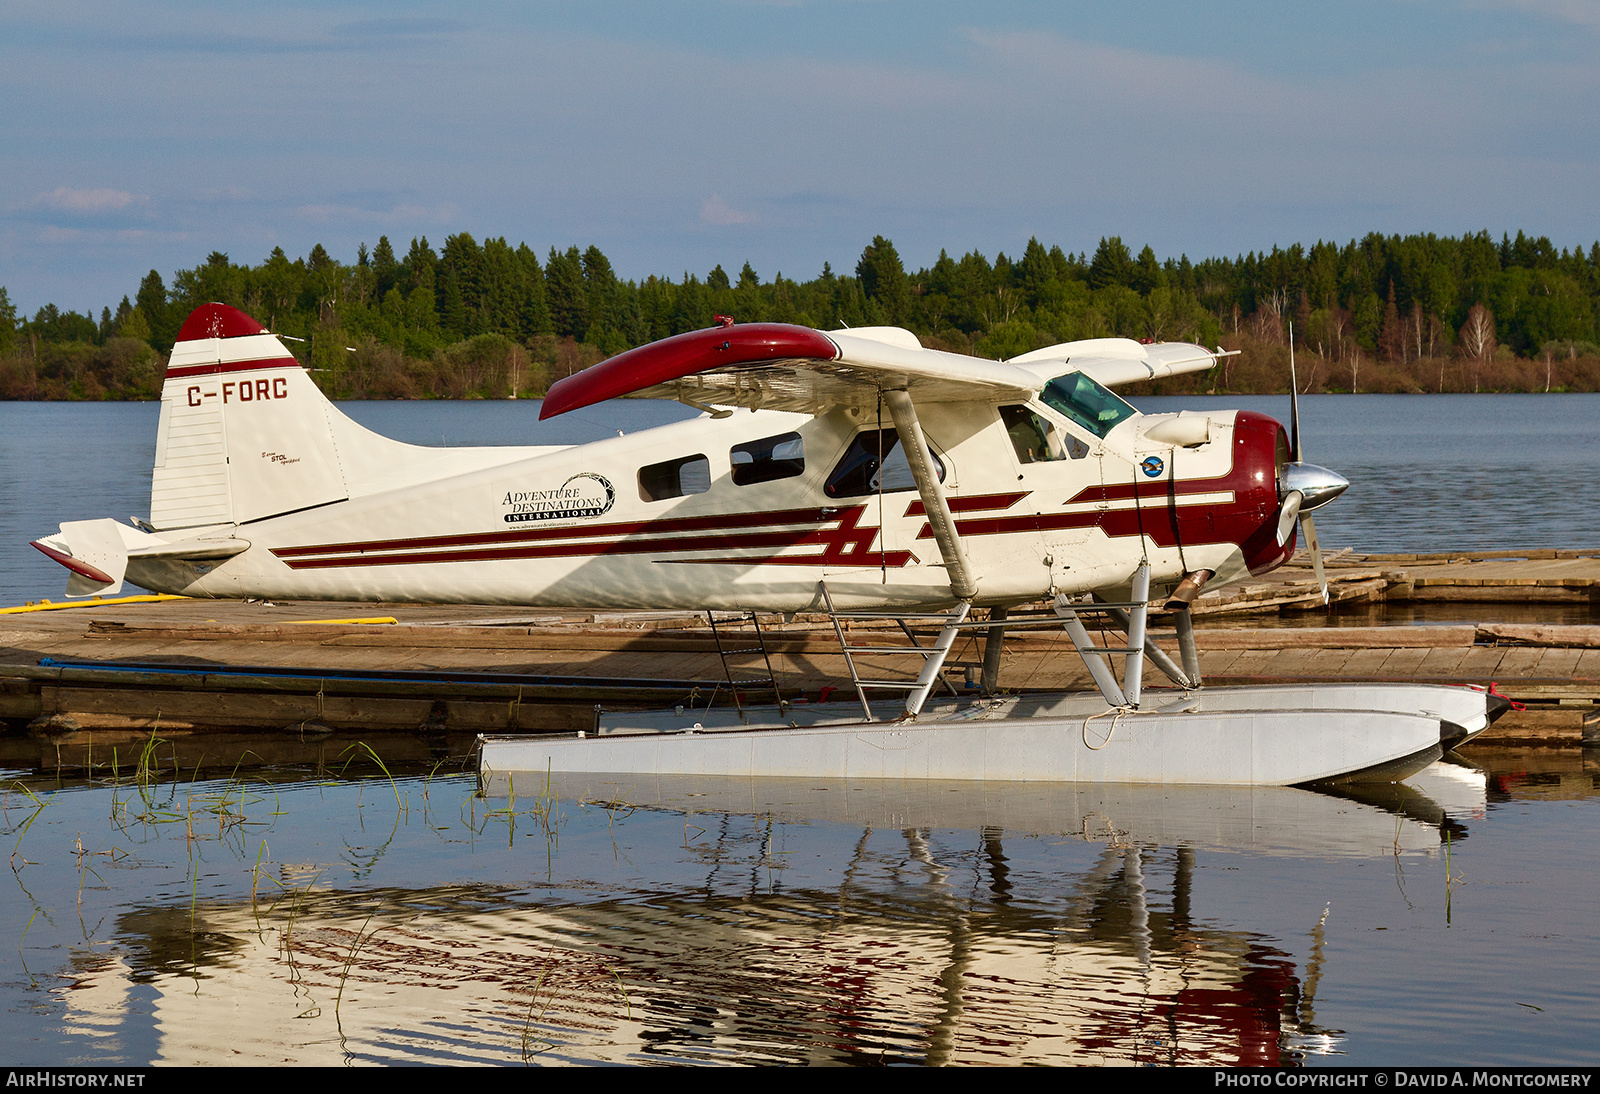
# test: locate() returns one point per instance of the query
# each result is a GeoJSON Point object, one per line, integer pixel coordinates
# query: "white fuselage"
{"type": "Point", "coordinates": [576, 525]}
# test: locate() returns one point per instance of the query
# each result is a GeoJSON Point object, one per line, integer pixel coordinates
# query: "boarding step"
{"type": "Point", "coordinates": [737, 685]}
{"type": "Point", "coordinates": [933, 657]}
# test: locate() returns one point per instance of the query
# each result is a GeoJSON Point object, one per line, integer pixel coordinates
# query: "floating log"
{"type": "Point", "coordinates": [1538, 634]}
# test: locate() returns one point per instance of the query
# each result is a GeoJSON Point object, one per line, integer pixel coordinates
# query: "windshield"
{"type": "Point", "coordinates": [1086, 402]}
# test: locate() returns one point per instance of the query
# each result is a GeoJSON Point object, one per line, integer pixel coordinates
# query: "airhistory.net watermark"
{"type": "Point", "coordinates": [1408, 1078]}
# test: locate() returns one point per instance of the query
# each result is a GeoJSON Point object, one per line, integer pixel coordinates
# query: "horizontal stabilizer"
{"type": "Point", "coordinates": [96, 553]}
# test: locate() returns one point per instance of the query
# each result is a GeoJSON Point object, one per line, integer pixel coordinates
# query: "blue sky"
{"type": "Point", "coordinates": [680, 135]}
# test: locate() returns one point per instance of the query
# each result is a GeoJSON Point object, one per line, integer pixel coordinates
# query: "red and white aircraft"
{"type": "Point", "coordinates": [837, 471]}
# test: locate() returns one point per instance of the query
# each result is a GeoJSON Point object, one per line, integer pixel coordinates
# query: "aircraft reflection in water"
{"type": "Point", "coordinates": [803, 922]}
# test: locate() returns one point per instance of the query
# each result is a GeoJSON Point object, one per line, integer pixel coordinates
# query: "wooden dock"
{"type": "Point", "coordinates": [276, 679]}
{"type": "Point", "coordinates": [1545, 577]}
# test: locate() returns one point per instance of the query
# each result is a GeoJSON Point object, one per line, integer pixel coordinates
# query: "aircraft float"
{"type": "Point", "coordinates": [850, 472]}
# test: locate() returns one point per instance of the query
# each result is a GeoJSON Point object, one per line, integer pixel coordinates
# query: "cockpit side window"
{"type": "Point", "coordinates": [874, 463]}
{"type": "Point", "coordinates": [1086, 402]}
{"type": "Point", "coordinates": [1037, 440]}
{"type": "Point", "coordinates": [780, 457]}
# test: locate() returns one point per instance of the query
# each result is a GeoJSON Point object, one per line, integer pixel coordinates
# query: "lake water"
{"type": "Point", "coordinates": [332, 916]}
{"type": "Point", "coordinates": [317, 919]}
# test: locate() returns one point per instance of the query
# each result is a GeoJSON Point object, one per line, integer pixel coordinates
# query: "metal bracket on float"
{"type": "Point", "coordinates": [1132, 616]}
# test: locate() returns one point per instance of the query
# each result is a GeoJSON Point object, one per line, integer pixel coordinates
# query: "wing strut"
{"type": "Point", "coordinates": [934, 502]}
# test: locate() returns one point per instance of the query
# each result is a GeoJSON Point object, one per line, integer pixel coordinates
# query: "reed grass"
{"type": "Point", "coordinates": [344, 974]}
{"type": "Point", "coordinates": [543, 811]}
{"type": "Point", "coordinates": [527, 1026]}
{"type": "Point", "coordinates": [1452, 878]}
{"type": "Point", "coordinates": [39, 806]}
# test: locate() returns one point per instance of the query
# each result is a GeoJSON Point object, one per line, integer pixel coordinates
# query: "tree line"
{"type": "Point", "coordinates": [1384, 313]}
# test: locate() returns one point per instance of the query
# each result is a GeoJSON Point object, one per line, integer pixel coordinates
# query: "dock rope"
{"type": "Point", "coordinates": [1116, 714]}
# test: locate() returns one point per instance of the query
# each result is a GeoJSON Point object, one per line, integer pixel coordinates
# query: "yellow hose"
{"type": "Point", "coordinates": [95, 602]}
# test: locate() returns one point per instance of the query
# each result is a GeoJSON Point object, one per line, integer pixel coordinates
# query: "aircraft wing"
{"type": "Point", "coordinates": [777, 366]}
{"type": "Point", "coordinates": [1114, 361]}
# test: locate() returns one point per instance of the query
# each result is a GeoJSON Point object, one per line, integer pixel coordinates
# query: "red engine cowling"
{"type": "Point", "coordinates": [1261, 451]}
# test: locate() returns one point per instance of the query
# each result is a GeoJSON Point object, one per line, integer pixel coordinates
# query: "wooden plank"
{"type": "Point", "coordinates": [1324, 662]}
{"type": "Point", "coordinates": [144, 708]}
{"type": "Point", "coordinates": [1440, 664]}
{"type": "Point", "coordinates": [1558, 662]}
{"type": "Point", "coordinates": [1367, 663]}
{"type": "Point", "coordinates": [1217, 662]}
{"type": "Point", "coordinates": [1251, 663]}
{"type": "Point", "coordinates": [576, 688]}
{"type": "Point", "coordinates": [1500, 594]}
{"type": "Point", "coordinates": [1518, 662]}
{"type": "Point", "coordinates": [1245, 638]}
{"type": "Point", "coordinates": [1284, 663]}
{"type": "Point", "coordinates": [157, 708]}
{"type": "Point", "coordinates": [1403, 664]}
{"type": "Point", "coordinates": [1551, 726]}
{"type": "Point", "coordinates": [19, 698]}
{"type": "Point", "coordinates": [1481, 663]}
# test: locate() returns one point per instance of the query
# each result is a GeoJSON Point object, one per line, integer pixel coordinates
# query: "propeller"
{"type": "Point", "coordinates": [1304, 486]}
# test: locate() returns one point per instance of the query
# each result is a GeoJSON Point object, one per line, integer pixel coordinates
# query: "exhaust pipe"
{"type": "Point", "coordinates": [1187, 590]}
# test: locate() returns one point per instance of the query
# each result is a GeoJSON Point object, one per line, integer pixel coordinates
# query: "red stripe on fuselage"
{"type": "Point", "coordinates": [976, 503]}
{"type": "Point", "coordinates": [846, 543]}
{"type": "Point", "coordinates": [628, 528]}
{"type": "Point", "coordinates": [1154, 497]}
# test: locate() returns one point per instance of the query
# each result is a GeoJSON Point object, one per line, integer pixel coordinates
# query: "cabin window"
{"type": "Point", "coordinates": [873, 463]}
{"type": "Point", "coordinates": [1038, 440]}
{"type": "Point", "coordinates": [675, 478]}
{"type": "Point", "coordinates": [1086, 402]}
{"type": "Point", "coordinates": [780, 457]}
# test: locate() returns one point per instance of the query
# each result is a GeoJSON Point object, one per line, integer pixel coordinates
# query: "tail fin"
{"type": "Point", "coordinates": [244, 433]}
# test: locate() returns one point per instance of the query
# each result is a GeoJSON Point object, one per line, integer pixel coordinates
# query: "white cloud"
{"type": "Point", "coordinates": [224, 194]}
{"type": "Point", "coordinates": [402, 26]}
{"type": "Point", "coordinates": [1581, 12]}
{"type": "Point", "coordinates": [55, 234]}
{"type": "Point", "coordinates": [716, 211]}
{"type": "Point", "coordinates": [331, 214]}
{"type": "Point", "coordinates": [84, 202]}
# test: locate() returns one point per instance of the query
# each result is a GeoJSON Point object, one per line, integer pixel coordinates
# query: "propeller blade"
{"type": "Point", "coordinates": [1308, 485]}
{"type": "Point", "coordinates": [1315, 548]}
{"type": "Point", "coordinates": [1287, 515]}
{"type": "Point", "coordinates": [1294, 404]}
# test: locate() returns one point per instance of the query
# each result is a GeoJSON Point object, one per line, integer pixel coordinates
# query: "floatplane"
{"type": "Point", "coordinates": [850, 472]}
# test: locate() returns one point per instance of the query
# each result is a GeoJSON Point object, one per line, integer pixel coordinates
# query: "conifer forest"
{"type": "Point", "coordinates": [487, 319]}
